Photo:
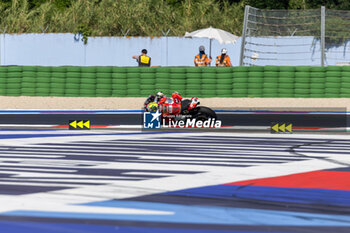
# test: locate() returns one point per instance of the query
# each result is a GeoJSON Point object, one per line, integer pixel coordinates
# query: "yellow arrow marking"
{"type": "Point", "coordinates": [283, 128]}
{"type": "Point", "coordinates": [275, 128]}
{"type": "Point", "coordinates": [87, 124]}
{"type": "Point", "coordinates": [80, 124]}
{"type": "Point", "coordinates": [73, 124]}
{"type": "Point", "coordinates": [289, 128]}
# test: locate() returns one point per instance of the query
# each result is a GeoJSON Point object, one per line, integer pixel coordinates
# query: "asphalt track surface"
{"type": "Point", "coordinates": [209, 182]}
{"type": "Point", "coordinates": [228, 119]}
{"type": "Point", "coordinates": [131, 182]}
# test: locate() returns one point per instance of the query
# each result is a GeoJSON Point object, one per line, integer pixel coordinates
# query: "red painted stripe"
{"type": "Point", "coordinates": [92, 126]}
{"type": "Point", "coordinates": [67, 113]}
{"type": "Point", "coordinates": [337, 180]}
{"type": "Point", "coordinates": [297, 127]}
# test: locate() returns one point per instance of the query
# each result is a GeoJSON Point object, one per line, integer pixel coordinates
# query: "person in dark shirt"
{"type": "Point", "coordinates": [143, 59]}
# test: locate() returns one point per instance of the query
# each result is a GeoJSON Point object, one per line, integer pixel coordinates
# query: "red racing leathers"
{"type": "Point", "coordinates": [170, 106]}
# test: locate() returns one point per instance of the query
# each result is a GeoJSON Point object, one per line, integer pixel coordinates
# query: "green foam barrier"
{"type": "Point", "coordinates": [119, 69]}
{"type": "Point", "coordinates": [240, 85]}
{"type": "Point", "coordinates": [148, 81]}
{"type": "Point", "coordinates": [302, 68]}
{"type": "Point", "coordinates": [209, 81]}
{"type": "Point", "coordinates": [240, 74]}
{"type": "Point", "coordinates": [133, 86]}
{"type": "Point", "coordinates": [224, 70]}
{"type": "Point", "coordinates": [193, 75]}
{"type": "Point", "coordinates": [256, 74]}
{"type": "Point", "coordinates": [176, 81]}
{"type": "Point", "coordinates": [270, 85]}
{"type": "Point", "coordinates": [334, 68]}
{"type": "Point", "coordinates": [271, 68]}
{"type": "Point", "coordinates": [104, 81]}
{"type": "Point", "coordinates": [118, 76]}
{"type": "Point", "coordinates": [286, 74]}
{"type": "Point", "coordinates": [285, 95]}
{"type": "Point", "coordinates": [269, 74]}
{"type": "Point", "coordinates": [161, 86]}
{"type": "Point", "coordinates": [240, 80]}
{"type": "Point", "coordinates": [60, 69]}
{"type": "Point", "coordinates": [72, 80]}
{"type": "Point", "coordinates": [180, 70]}
{"type": "Point", "coordinates": [254, 81]}
{"type": "Point", "coordinates": [14, 68]}
{"type": "Point", "coordinates": [119, 93]}
{"type": "Point", "coordinates": [285, 91]}
{"type": "Point", "coordinates": [223, 87]}
{"type": "Point", "coordinates": [88, 69]}
{"type": "Point", "coordinates": [119, 87]}
{"type": "Point", "coordinates": [255, 86]}
{"type": "Point", "coordinates": [223, 81]}
{"type": "Point", "coordinates": [286, 68]}
{"type": "Point", "coordinates": [73, 68]}
{"type": "Point", "coordinates": [103, 69]}
{"type": "Point", "coordinates": [333, 73]}
{"type": "Point", "coordinates": [103, 75]}
{"type": "Point", "coordinates": [133, 81]}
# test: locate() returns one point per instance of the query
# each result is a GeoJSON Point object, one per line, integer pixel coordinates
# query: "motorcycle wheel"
{"type": "Point", "coordinates": [205, 113]}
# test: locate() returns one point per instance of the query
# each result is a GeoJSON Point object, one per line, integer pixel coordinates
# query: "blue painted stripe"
{"type": "Point", "coordinates": [291, 112]}
{"type": "Point", "coordinates": [140, 111]}
{"type": "Point", "coordinates": [31, 130]}
{"type": "Point", "coordinates": [274, 194]}
{"type": "Point", "coordinates": [14, 136]}
{"type": "Point", "coordinates": [66, 111]}
{"type": "Point", "coordinates": [42, 227]}
{"type": "Point", "coordinates": [197, 215]}
{"type": "Point", "coordinates": [36, 135]}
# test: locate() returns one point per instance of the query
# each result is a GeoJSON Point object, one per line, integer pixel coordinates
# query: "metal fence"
{"type": "Point", "coordinates": [295, 37]}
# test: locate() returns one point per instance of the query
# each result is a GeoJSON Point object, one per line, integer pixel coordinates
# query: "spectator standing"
{"type": "Point", "coordinates": [223, 59]}
{"type": "Point", "coordinates": [143, 59]}
{"type": "Point", "coordinates": [202, 59]}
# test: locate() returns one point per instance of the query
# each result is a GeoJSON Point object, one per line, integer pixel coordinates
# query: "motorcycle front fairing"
{"type": "Point", "coordinates": [170, 108]}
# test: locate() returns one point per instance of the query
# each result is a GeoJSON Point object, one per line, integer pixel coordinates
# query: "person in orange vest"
{"type": "Point", "coordinates": [202, 59]}
{"type": "Point", "coordinates": [143, 59]}
{"type": "Point", "coordinates": [223, 59]}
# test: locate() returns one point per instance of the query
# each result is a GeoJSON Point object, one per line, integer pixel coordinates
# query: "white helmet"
{"type": "Point", "coordinates": [159, 94]}
{"type": "Point", "coordinates": [223, 51]}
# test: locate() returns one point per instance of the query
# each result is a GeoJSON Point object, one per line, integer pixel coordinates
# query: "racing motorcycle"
{"type": "Point", "coordinates": [174, 109]}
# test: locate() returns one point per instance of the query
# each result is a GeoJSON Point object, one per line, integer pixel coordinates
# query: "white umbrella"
{"type": "Point", "coordinates": [213, 33]}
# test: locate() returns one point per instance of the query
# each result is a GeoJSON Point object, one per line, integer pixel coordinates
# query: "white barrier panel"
{"type": "Point", "coordinates": [51, 49]}
{"type": "Point", "coordinates": [68, 49]}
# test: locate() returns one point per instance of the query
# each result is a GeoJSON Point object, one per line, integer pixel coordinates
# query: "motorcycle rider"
{"type": "Point", "coordinates": [155, 102]}
{"type": "Point", "coordinates": [177, 108]}
{"type": "Point", "coordinates": [161, 98]}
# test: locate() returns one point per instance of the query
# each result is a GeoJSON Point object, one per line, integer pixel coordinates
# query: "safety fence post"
{"type": "Point", "coordinates": [165, 34]}
{"type": "Point", "coordinates": [323, 29]}
{"type": "Point", "coordinates": [246, 11]}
